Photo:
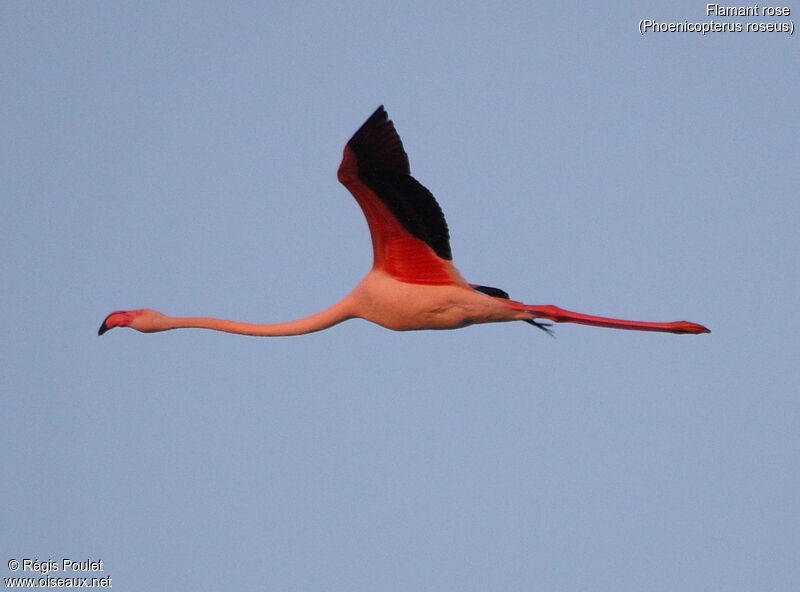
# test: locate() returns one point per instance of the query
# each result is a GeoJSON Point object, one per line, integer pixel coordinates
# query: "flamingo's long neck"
{"type": "Point", "coordinates": [341, 311]}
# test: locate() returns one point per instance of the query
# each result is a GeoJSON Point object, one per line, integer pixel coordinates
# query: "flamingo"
{"type": "Point", "coordinates": [412, 284]}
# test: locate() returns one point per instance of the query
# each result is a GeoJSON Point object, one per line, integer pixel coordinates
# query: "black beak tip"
{"type": "Point", "coordinates": [102, 328]}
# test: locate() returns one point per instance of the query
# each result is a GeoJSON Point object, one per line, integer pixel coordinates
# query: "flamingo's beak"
{"type": "Point", "coordinates": [118, 318]}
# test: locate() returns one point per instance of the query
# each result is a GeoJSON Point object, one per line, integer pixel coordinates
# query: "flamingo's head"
{"type": "Point", "coordinates": [143, 320]}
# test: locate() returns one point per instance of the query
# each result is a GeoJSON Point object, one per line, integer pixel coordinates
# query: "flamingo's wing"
{"type": "Point", "coordinates": [489, 291]}
{"type": "Point", "coordinates": [409, 233]}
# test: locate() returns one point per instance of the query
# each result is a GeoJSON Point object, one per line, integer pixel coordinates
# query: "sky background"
{"type": "Point", "coordinates": [182, 157]}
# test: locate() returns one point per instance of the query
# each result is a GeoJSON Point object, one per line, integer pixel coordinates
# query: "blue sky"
{"type": "Point", "coordinates": [182, 157]}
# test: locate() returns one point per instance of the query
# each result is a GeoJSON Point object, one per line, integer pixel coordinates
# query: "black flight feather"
{"type": "Point", "coordinates": [383, 167]}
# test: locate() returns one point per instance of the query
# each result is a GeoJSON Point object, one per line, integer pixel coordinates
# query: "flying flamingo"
{"type": "Point", "coordinates": [413, 283]}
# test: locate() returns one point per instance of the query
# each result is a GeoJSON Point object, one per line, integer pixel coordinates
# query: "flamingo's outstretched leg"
{"type": "Point", "coordinates": [559, 315]}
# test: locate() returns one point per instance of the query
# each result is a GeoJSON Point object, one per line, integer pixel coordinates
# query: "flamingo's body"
{"type": "Point", "coordinates": [413, 283]}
